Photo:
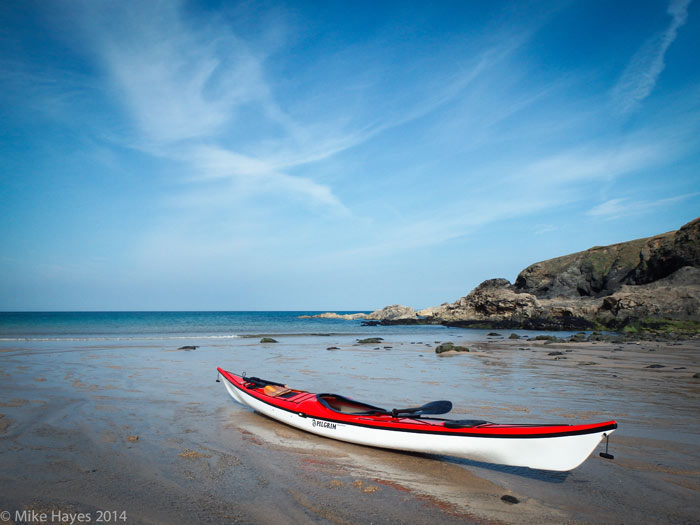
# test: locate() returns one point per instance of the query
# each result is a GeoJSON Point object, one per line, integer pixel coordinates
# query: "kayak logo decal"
{"type": "Point", "coordinates": [322, 424]}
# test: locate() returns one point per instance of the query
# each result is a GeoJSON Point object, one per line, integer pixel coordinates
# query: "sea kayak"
{"type": "Point", "coordinates": [548, 447]}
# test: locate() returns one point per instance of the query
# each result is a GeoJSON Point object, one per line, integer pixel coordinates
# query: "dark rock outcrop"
{"type": "Point", "coordinates": [666, 255]}
{"type": "Point", "coordinates": [674, 298]}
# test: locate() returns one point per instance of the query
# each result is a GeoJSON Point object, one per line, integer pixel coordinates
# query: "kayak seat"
{"type": "Point", "coordinates": [345, 405]}
{"type": "Point", "coordinates": [465, 423]}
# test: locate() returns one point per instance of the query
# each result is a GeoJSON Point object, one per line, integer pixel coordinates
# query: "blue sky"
{"type": "Point", "coordinates": [332, 155]}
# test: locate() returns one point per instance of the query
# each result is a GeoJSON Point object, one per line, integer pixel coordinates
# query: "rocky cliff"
{"type": "Point", "coordinates": [644, 283]}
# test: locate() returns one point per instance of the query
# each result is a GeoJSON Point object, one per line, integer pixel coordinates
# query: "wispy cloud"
{"type": "Point", "coordinates": [610, 209]}
{"type": "Point", "coordinates": [640, 76]}
{"type": "Point", "coordinates": [184, 88]}
{"type": "Point", "coordinates": [192, 94]}
{"type": "Point", "coordinates": [176, 81]}
{"type": "Point", "coordinates": [591, 162]}
{"type": "Point", "coordinates": [619, 207]}
{"type": "Point", "coordinates": [254, 175]}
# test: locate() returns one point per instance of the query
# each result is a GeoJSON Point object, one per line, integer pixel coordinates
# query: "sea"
{"type": "Point", "coordinates": [176, 326]}
{"type": "Point", "coordinates": [125, 326]}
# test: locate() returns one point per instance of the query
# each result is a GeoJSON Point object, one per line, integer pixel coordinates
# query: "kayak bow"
{"type": "Point", "coordinates": [549, 447]}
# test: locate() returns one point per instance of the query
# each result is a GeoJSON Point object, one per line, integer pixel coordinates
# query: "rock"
{"type": "Point", "coordinates": [507, 498]}
{"type": "Point", "coordinates": [671, 303]}
{"type": "Point", "coordinates": [655, 366]}
{"type": "Point", "coordinates": [513, 336]}
{"type": "Point", "coordinates": [188, 348]}
{"type": "Point", "coordinates": [332, 348]}
{"type": "Point", "coordinates": [496, 304]}
{"type": "Point", "coordinates": [370, 340]}
{"type": "Point", "coordinates": [332, 315]}
{"type": "Point", "coordinates": [696, 376]}
{"type": "Point", "coordinates": [450, 347]}
{"type": "Point", "coordinates": [494, 334]}
{"type": "Point", "coordinates": [393, 313]}
{"type": "Point", "coordinates": [555, 353]}
{"type": "Point", "coordinates": [665, 254]}
{"type": "Point", "coordinates": [268, 340]}
{"type": "Point", "coordinates": [491, 301]}
{"type": "Point", "coordinates": [371, 323]}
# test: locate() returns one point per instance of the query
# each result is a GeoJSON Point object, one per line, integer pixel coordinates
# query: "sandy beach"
{"type": "Point", "coordinates": [142, 433]}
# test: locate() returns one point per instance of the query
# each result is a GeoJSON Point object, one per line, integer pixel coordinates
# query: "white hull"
{"type": "Point", "coordinates": [560, 453]}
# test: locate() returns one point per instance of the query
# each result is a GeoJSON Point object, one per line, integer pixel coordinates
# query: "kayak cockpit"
{"type": "Point", "coordinates": [345, 405]}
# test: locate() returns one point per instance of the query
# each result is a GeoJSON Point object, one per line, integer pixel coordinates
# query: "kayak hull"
{"type": "Point", "coordinates": [550, 447]}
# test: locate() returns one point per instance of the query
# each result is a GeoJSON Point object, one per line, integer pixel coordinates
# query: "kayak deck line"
{"type": "Point", "coordinates": [547, 446]}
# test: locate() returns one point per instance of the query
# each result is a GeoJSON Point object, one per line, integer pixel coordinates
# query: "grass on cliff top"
{"type": "Point", "coordinates": [621, 256]}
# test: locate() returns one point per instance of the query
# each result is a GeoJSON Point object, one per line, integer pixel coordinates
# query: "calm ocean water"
{"type": "Point", "coordinates": [88, 326]}
{"type": "Point", "coordinates": [139, 326]}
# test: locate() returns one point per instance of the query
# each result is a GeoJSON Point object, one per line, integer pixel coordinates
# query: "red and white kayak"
{"type": "Point", "coordinates": [548, 447]}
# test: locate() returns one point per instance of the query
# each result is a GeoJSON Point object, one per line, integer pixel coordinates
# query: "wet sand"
{"type": "Point", "coordinates": [145, 430]}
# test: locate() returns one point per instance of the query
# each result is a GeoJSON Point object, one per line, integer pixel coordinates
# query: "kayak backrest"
{"type": "Point", "coordinates": [274, 390]}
